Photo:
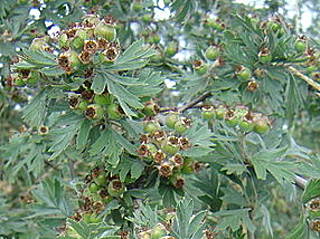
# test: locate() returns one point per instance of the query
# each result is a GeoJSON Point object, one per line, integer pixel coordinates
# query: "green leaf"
{"type": "Point", "coordinates": [83, 135]}
{"type": "Point", "coordinates": [311, 191]}
{"type": "Point", "coordinates": [134, 57]}
{"type": "Point", "coordinates": [35, 112]}
{"type": "Point", "coordinates": [99, 83]}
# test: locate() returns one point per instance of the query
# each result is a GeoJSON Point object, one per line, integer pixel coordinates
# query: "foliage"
{"type": "Point", "coordinates": [125, 125]}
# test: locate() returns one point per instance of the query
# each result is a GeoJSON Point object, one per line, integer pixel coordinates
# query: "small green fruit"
{"type": "Point", "coordinates": [19, 82]}
{"type": "Point", "coordinates": [212, 53]}
{"type": "Point", "coordinates": [180, 127]}
{"type": "Point", "coordinates": [151, 127]}
{"type": "Point", "coordinates": [101, 99]}
{"type": "Point", "coordinates": [244, 73]}
{"type": "Point", "coordinates": [106, 31]}
{"type": "Point", "coordinates": [63, 41]}
{"type": "Point", "coordinates": [221, 112]}
{"type": "Point", "coordinates": [113, 112]}
{"type": "Point", "coordinates": [137, 6]}
{"type": "Point", "coordinates": [116, 188]}
{"type": "Point", "coordinates": [93, 188]}
{"type": "Point", "coordinates": [150, 109]}
{"type": "Point", "coordinates": [171, 49]}
{"type": "Point", "coordinates": [265, 56]}
{"type": "Point", "coordinates": [300, 46]}
{"type": "Point", "coordinates": [170, 149]}
{"type": "Point", "coordinates": [171, 120]}
{"type": "Point", "coordinates": [94, 111]}
{"type": "Point", "coordinates": [208, 113]}
{"type": "Point", "coordinates": [246, 125]}
{"type": "Point", "coordinates": [101, 180]}
{"type": "Point", "coordinates": [83, 105]}
{"type": "Point", "coordinates": [158, 231]}
{"type": "Point", "coordinates": [261, 126]}
{"type": "Point", "coordinates": [146, 18]}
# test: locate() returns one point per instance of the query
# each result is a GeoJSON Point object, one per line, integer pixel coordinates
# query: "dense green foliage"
{"type": "Point", "coordinates": [122, 124]}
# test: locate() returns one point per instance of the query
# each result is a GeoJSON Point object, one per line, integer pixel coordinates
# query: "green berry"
{"type": "Point", "coordinates": [101, 99]}
{"type": "Point", "coordinates": [208, 113]}
{"type": "Point", "coordinates": [93, 188]}
{"type": "Point", "coordinates": [221, 112]}
{"type": "Point", "coordinates": [151, 127]}
{"type": "Point", "coordinates": [19, 82]}
{"type": "Point", "coordinates": [116, 188]}
{"type": "Point", "coordinates": [106, 31]}
{"type": "Point", "coordinates": [246, 125]}
{"type": "Point", "coordinates": [150, 109]}
{"type": "Point", "coordinates": [63, 40]}
{"type": "Point", "coordinates": [83, 105]}
{"type": "Point", "coordinates": [170, 149]}
{"type": "Point", "coordinates": [180, 127]}
{"type": "Point", "coordinates": [146, 17]}
{"type": "Point", "coordinates": [137, 6]}
{"type": "Point", "coordinates": [101, 180]}
{"type": "Point", "coordinates": [244, 73]}
{"type": "Point", "coordinates": [300, 46]}
{"type": "Point", "coordinates": [113, 112]}
{"type": "Point", "coordinates": [74, 60]}
{"type": "Point", "coordinates": [171, 49]}
{"type": "Point", "coordinates": [94, 111]}
{"type": "Point", "coordinates": [158, 231]}
{"type": "Point", "coordinates": [261, 126]}
{"type": "Point", "coordinates": [265, 56]}
{"type": "Point", "coordinates": [171, 120]}
{"type": "Point", "coordinates": [212, 53]}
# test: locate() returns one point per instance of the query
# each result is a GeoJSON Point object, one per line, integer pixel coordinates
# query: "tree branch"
{"type": "Point", "coordinates": [194, 102]}
{"type": "Point", "coordinates": [305, 78]}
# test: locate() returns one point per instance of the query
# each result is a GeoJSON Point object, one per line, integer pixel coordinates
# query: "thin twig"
{"type": "Point", "coordinates": [194, 102]}
{"type": "Point", "coordinates": [305, 78]}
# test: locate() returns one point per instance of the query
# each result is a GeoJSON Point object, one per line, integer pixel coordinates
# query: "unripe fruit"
{"type": "Point", "coordinates": [116, 188]}
{"type": "Point", "coordinates": [220, 112]}
{"type": "Point", "coordinates": [73, 59]}
{"type": "Point", "coordinates": [93, 188]}
{"type": "Point", "coordinates": [171, 49]}
{"type": "Point", "coordinates": [150, 109]}
{"type": "Point", "coordinates": [101, 99]}
{"type": "Point", "coordinates": [151, 127]}
{"type": "Point", "coordinates": [83, 105]}
{"type": "Point", "coordinates": [106, 31]}
{"type": "Point", "coordinates": [274, 26]}
{"type": "Point", "coordinates": [101, 180]}
{"type": "Point", "coordinates": [244, 73]}
{"type": "Point", "coordinates": [180, 127]}
{"type": "Point", "coordinates": [212, 53]}
{"type": "Point", "coordinates": [146, 17]}
{"type": "Point", "coordinates": [311, 69]}
{"type": "Point", "coordinates": [246, 125]}
{"type": "Point", "coordinates": [137, 6]}
{"type": "Point", "coordinates": [33, 78]}
{"type": "Point", "coordinates": [158, 231]}
{"type": "Point", "coordinates": [300, 45]}
{"type": "Point", "coordinates": [200, 67]}
{"type": "Point", "coordinates": [265, 56]}
{"type": "Point", "coordinates": [19, 82]}
{"type": "Point", "coordinates": [170, 149]}
{"type": "Point", "coordinates": [94, 111]}
{"type": "Point", "coordinates": [232, 119]}
{"type": "Point", "coordinates": [154, 38]}
{"type": "Point", "coordinates": [63, 41]}
{"type": "Point", "coordinates": [38, 44]}
{"type": "Point", "coordinates": [113, 112]}
{"type": "Point", "coordinates": [171, 120]}
{"type": "Point", "coordinates": [208, 112]}
{"type": "Point", "coordinates": [261, 126]}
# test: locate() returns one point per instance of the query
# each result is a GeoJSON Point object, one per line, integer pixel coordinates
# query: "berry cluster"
{"type": "Point", "coordinates": [103, 186]}
{"type": "Point", "coordinates": [239, 116]}
{"type": "Point", "coordinates": [158, 232]}
{"type": "Point", "coordinates": [163, 147]}
{"type": "Point", "coordinates": [86, 43]}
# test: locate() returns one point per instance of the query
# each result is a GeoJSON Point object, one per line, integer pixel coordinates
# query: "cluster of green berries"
{"type": "Point", "coordinates": [158, 232]}
{"type": "Point", "coordinates": [25, 78]}
{"type": "Point", "coordinates": [103, 186]}
{"type": "Point", "coordinates": [89, 42]}
{"type": "Point", "coordinates": [239, 116]}
{"type": "Point", "coordinates": [95, 106]}
{"type": "Point", "coordinates": [163, 147]}
{"type": "Point", "coordinates": [215, 24]}
{"type": "Point", "coordinates": [313, 211]}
